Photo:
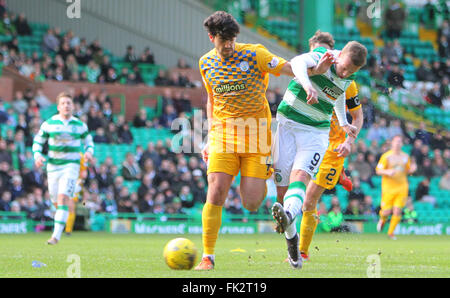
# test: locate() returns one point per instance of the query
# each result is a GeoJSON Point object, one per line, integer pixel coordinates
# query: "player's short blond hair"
{"type": "Point", "coordinates": [357, 53]}
{"type": "Point", "coordinates": [62, 95]}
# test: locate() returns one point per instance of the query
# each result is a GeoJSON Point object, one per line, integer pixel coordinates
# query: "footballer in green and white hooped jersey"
{"type": "Point", "coordinates": [67, 136]}
{"type": "Point", "coordinates": [304, 119]}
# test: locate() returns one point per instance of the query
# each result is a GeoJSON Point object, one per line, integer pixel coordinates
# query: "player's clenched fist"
{"type": "Point", "coordinates": [205, 152]}
{"type": "Point", "coordinates": [40, 161]}
{"type": "Point", "coordinates": [312, 95]}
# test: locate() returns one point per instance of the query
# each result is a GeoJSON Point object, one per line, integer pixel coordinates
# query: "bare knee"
{"type": "Point", "coordinates": [300, 175]}
{"type": "Point", "coordinates": [251, 205]}
{"type": "Point", "coordinates": [217, 190]}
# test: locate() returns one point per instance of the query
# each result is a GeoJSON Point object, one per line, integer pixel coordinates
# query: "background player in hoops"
{"type": "Point", "coordinates": [65, 135]}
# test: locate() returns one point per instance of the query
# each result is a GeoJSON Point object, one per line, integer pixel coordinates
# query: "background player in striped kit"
{"type": "Point", "coordinates": [304, 119]}
{"type": "Point", "coordinates": [65, 135]}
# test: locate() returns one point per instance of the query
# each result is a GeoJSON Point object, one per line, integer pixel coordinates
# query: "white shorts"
{"type": "Point", "coordinates": [297, 148]}
{"type": "Point", "coordinates": [63, 181]}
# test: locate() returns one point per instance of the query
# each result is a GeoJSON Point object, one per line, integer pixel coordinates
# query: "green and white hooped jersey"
{"type": "Point", "coordinates": [331, 91]}
{"type": "Point", "coordinates": [66, 140]}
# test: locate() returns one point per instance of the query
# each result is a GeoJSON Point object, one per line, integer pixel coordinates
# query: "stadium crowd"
{"type": "Point", "coordinates": [172, 183]}
{"type": "Point", "coordinates": [67, 57]}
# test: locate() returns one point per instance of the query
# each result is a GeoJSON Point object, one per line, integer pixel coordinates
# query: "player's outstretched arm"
{"type": "Point", "coordinates": [344, 149]}
{"type": "Point", "coordinates": [300, 65]}
{"type": "Point", "coordinates": [38, 143]}
{"type": "Point", "coordinates": [209, 115]}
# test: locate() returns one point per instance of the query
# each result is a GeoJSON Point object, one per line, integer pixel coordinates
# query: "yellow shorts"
{"type": "Point", "coordinates": [330, 170]}
{"type": "Point", "coordinates": [250, 164]}
{"type": "Point", "coordinates": [393, 199]}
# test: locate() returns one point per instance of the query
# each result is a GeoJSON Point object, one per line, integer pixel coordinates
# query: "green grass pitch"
{"type": "Point", "coordinates": [247, 256]}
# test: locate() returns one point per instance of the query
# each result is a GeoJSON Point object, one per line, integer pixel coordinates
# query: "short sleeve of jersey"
{"type": "Point", "coordinates": [268, 62]}
{"type": "Point", "coordinates": [351, 96]}
{"type": "Point", "coordinates": [382, 163]}
{"type": "Point", "coordinates": [408, 165]}
{"type": "Point", "coordinates": [205, 82]}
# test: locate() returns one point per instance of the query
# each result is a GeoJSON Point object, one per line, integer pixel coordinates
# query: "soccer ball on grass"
{"type": "Point", "coordinates": [180, 254]}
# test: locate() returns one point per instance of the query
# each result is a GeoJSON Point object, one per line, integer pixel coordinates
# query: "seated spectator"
{"type": "Point", "coordinates": [356, 193]}
{"type": "Point", "coordinates": [422, 192]}
{"type": "Point", "coordinates": [394, 129]}
{"type": "Point", "coordinates": [409, 214]}
{"type": "Point", "coordinates": [424, 72]}
{"type": "Point", "coordinates": [439, 166]}
{"type": "Point", "coordinates": [95, 47]}
{"type": "Point", "coordinates": [123, 76]}
{"type": "Point", "coordinates": [334, 222]}
{"type": "Point", "coordinates": [353, 209]}
{"type": "Point", "coordinates": [367, 207]}
{"type": "Point", "coordinates": [105, 65]}
{"type": "Point", "coordinates": [186, 197]}
{"type": "Point", "coordinates": [182, 104]}
{"type": "Point", "coordinates": [168, 116]}
{"type": "Point", "coordinates": [130, 168]}
{"type": "Point", "coordinates": [444, 47]}
{"type": "Point", "coordinates": [438, 71]}
{"type": "Point", "coordinates": [131, 79]}
{"type": "Point", "coordinates": [5, 201]}
{"type": "Point", "coordinates": [14, 45]}
{"type": "Point", "coordinates": [130, 56]}
{"type": "Point", "coordinates": [423, 134]}
{"type": "Point", "coordinates": [19, 103]}
{"type": "Point", "coordinates": [125, 135]}
{"type": "Point", "coordinates": [364, 169]}
{"type": "Point", "coordinates": [100, 136]}
{"type": "Point", "coordinates": [124, 203]}
{"type": "Point", "coordinates": [17, 189]}
{"type": "Point", "coordinates": [95, 119]}
{"type": "Point", "coordinates": [391, 53]}
{"type": "Point", "coordinates": [108, 204]}
{"type": "Point", "coordinates": [104, 178]}
{"type": "Point", "coordinates": [140, 120]}
{"type": "Point", "coordinates": [428, 15]}
{"type": "Point", "coordinates": [147, 57]}
{"type": "Point", "coordinates": [182, 64]}
{"type": "Point", "coordinates": [444, 182]}
{"type": "Point", "coordinates": [434, 96]}
{"type": "Point", "coordinates": [396, 78]}
{"type": "Point", "coordinates": [111, 76]}
{"type": "Point", "coordinates": [107, 112]}
{"type": "Point", "coordinates": [137, 75]}
{"type": "Point", "coordinates": [162, 79]}
{"type": "Point", "coordinates": [146, 203]}
{"type": "Point", "coordinates": [50, 42]}
{"type": "Point", "coordinates": [394, 19]}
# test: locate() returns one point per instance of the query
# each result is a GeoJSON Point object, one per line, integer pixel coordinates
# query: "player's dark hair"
{"type": "Point", "coordinates": [357, 53]}
{"type": "Point", "coordinates": [222, 24]}
{"type": "Point", "coordinates": [322, 37]}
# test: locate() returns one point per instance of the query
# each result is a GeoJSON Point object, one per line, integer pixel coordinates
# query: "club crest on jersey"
{"type": "Point", "coordinates": [244, 66]}
{"type": "Point", "coordinates": [274, 63]}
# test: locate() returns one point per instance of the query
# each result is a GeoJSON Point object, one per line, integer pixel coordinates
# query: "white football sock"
{"type": "Point", "coordinates": [61, 215]}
